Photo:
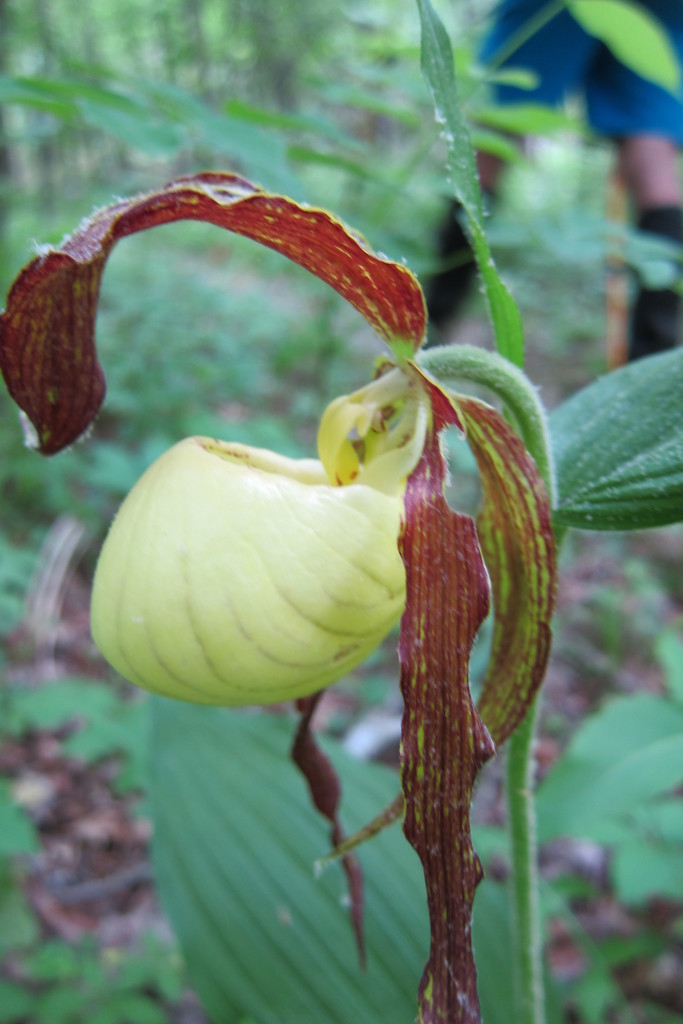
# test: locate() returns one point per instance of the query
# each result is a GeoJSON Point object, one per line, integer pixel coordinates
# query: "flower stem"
{"type": "Point", "coordinates": [525, 900]}
{"type": "Point", "coordinates": [453, 363]}
{"type": "Point", "coordinates": [465, 363]}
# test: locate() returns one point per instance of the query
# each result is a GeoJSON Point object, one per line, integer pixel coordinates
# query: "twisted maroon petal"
{"type": "Point", "coordinates": [444, 741]}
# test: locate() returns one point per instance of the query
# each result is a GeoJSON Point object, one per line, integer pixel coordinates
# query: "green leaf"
{"type": "Point", "coordinates": [122, 731]}
{"type": "Point", "coordinates": [594, 992]}
{"type": "Point", "coordinates": [492, 938]}
{"type": "Point", "coordinates": [17, 832]}
{"type": "Point", "coordinates": [59, 1006]}
{"type": "Point", "coordinates": [111, 724]}
{"type": "Point", "coordinates": [153, 964]}
{"type": "Point", "coordinates": [643, 870]}
{"type": "Point", "coordinates": [253, 832]}
{"type": "Point", "coordinates": [133, 1008]}
{"type": "Point", "coordinates": [138, 129]}
{"type": "Point", "coordinates": [236, 877]}
{"type": "Point", "coordinates": [18, 926]}
{"type": "Point", "coordinates": [72, 91]}
{"type": "Point", "coordinates": [318, 125]}
{"type": "Point", "coordinates": [669, 650]}
{"type": "Point", "coordinates": [526, 119]}
{"type": "Point", "coordinates": [518, 78]}
{"type": "Point", "coordinates": [618, 447]}
{"type": "Point", "coordinates": [634, 35]}
{"type": "Point", "coordinates": [620, 949]}
{"type": "Point", "coordinates": [37, 94]}
{"type": "Point", "coordinates": [647, 850]}
{"type": "Point", "coordinates": [337, 161]}
{"type": "Point", "coordinates": [54, 704]}
{"type": "Point", "coordinates": [662, 821]}
{"type": "Point", "coordinates": [439, 72]}
{"type": "Point", "coordinates": [16, 1003]}
{"type": "Point", "coordinates": [261, 154]}
{"type": "Point", "coordinates": [656, 260]}
{"type": "Point", "coordinates": [497, 144]}
{"type": "Point", "coordinates": [599, 978]}
{"type": "Point", "coordinates": [55, 961]}
{"type": "Point", "coordinates": [628, 753]}
{"type": "Point", "coordinates": [17, 566]}
{"type": "Point", "coordinates": [235, 844]}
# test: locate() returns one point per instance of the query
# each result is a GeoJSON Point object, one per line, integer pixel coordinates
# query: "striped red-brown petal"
{"type": "Point", "coordinates": [516, 537]}
{"type": "Point", "coordinates": [444, 741]}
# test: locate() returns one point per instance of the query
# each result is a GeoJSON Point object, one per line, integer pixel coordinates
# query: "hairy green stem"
{"type": "Point", "coordinates": [524, 854]}
{"type": "Point", "coordinates": [464, 363]}
{"type": "Point", "coordinates": [454, 363]}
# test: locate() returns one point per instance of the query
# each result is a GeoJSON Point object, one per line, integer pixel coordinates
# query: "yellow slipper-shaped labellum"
{"type": "Point", "coordinates": [232, 575]}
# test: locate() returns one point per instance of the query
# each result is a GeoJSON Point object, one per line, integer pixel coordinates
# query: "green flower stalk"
{"type": "Point", "coordinates": [232, 575]}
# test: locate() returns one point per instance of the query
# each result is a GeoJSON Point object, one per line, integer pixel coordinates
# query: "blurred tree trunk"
{"type": "Point", "coordinates": [46, 151]}
{"type": "Point", "coordinates": [278, 65]}
{"type": "Point", "coordinates": [84, 153]}
{"type": "Point", "coordinates": [199, 51]}
{"type": "Point", "coordinates": [88, 34]}
{"type": "Point", "coordinates": [5, 156]}
{"type": "Point", "coordinates": [131, 28]}
{"type": "Point", "coordinates": [167, 43]}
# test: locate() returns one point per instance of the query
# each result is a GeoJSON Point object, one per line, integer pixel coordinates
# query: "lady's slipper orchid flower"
{"type": "Point", "coordinates": [233, 575]}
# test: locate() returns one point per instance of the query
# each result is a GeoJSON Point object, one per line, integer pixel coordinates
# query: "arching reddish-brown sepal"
{"type": "Point", "coordinates": [47, 333]}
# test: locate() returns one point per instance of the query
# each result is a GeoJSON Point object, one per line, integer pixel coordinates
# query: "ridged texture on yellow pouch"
{"type": "Point", "coordinates": [235, 576]}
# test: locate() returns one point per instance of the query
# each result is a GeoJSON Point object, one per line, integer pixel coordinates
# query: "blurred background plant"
{"type": "Point", "coordinates": [202, 333]}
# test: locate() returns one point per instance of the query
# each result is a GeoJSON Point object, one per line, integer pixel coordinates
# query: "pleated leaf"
{"type": "Point", "coordinates": [618, 447]}
{"type": "Point", "coordinates": [265, 940]}
{"type": "Point", "coordinates": [236, 839]}
{"type": "Point", "coordinates": [47, 333]}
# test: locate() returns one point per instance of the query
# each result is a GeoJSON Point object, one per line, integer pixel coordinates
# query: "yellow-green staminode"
{"type": "Point", "coordinates": [232, 575]}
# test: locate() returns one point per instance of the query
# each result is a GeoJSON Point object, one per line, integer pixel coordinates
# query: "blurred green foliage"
{"type": "Point", "coordinates": [81, 984]}
{"type": "Point", "coordinates": [616, 783]}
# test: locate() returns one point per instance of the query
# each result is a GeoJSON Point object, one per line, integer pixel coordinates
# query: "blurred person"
{"type": "Point", "coordinates": [644, 121]}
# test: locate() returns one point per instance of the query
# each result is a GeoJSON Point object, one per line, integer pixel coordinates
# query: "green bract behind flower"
{"type": "Point", "coordinates": [232, 575]}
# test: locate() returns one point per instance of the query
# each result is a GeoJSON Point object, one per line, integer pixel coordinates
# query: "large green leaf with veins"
{"type": "Point", "coordinates": [618, 447]}
{"type": "Point", "coordinates": [236, 839]}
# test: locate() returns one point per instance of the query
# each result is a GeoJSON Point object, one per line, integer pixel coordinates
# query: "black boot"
{"type": "Point", "coordinates": [654, 319]}
{"type": "Point", "coordinates": [447, 290]}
